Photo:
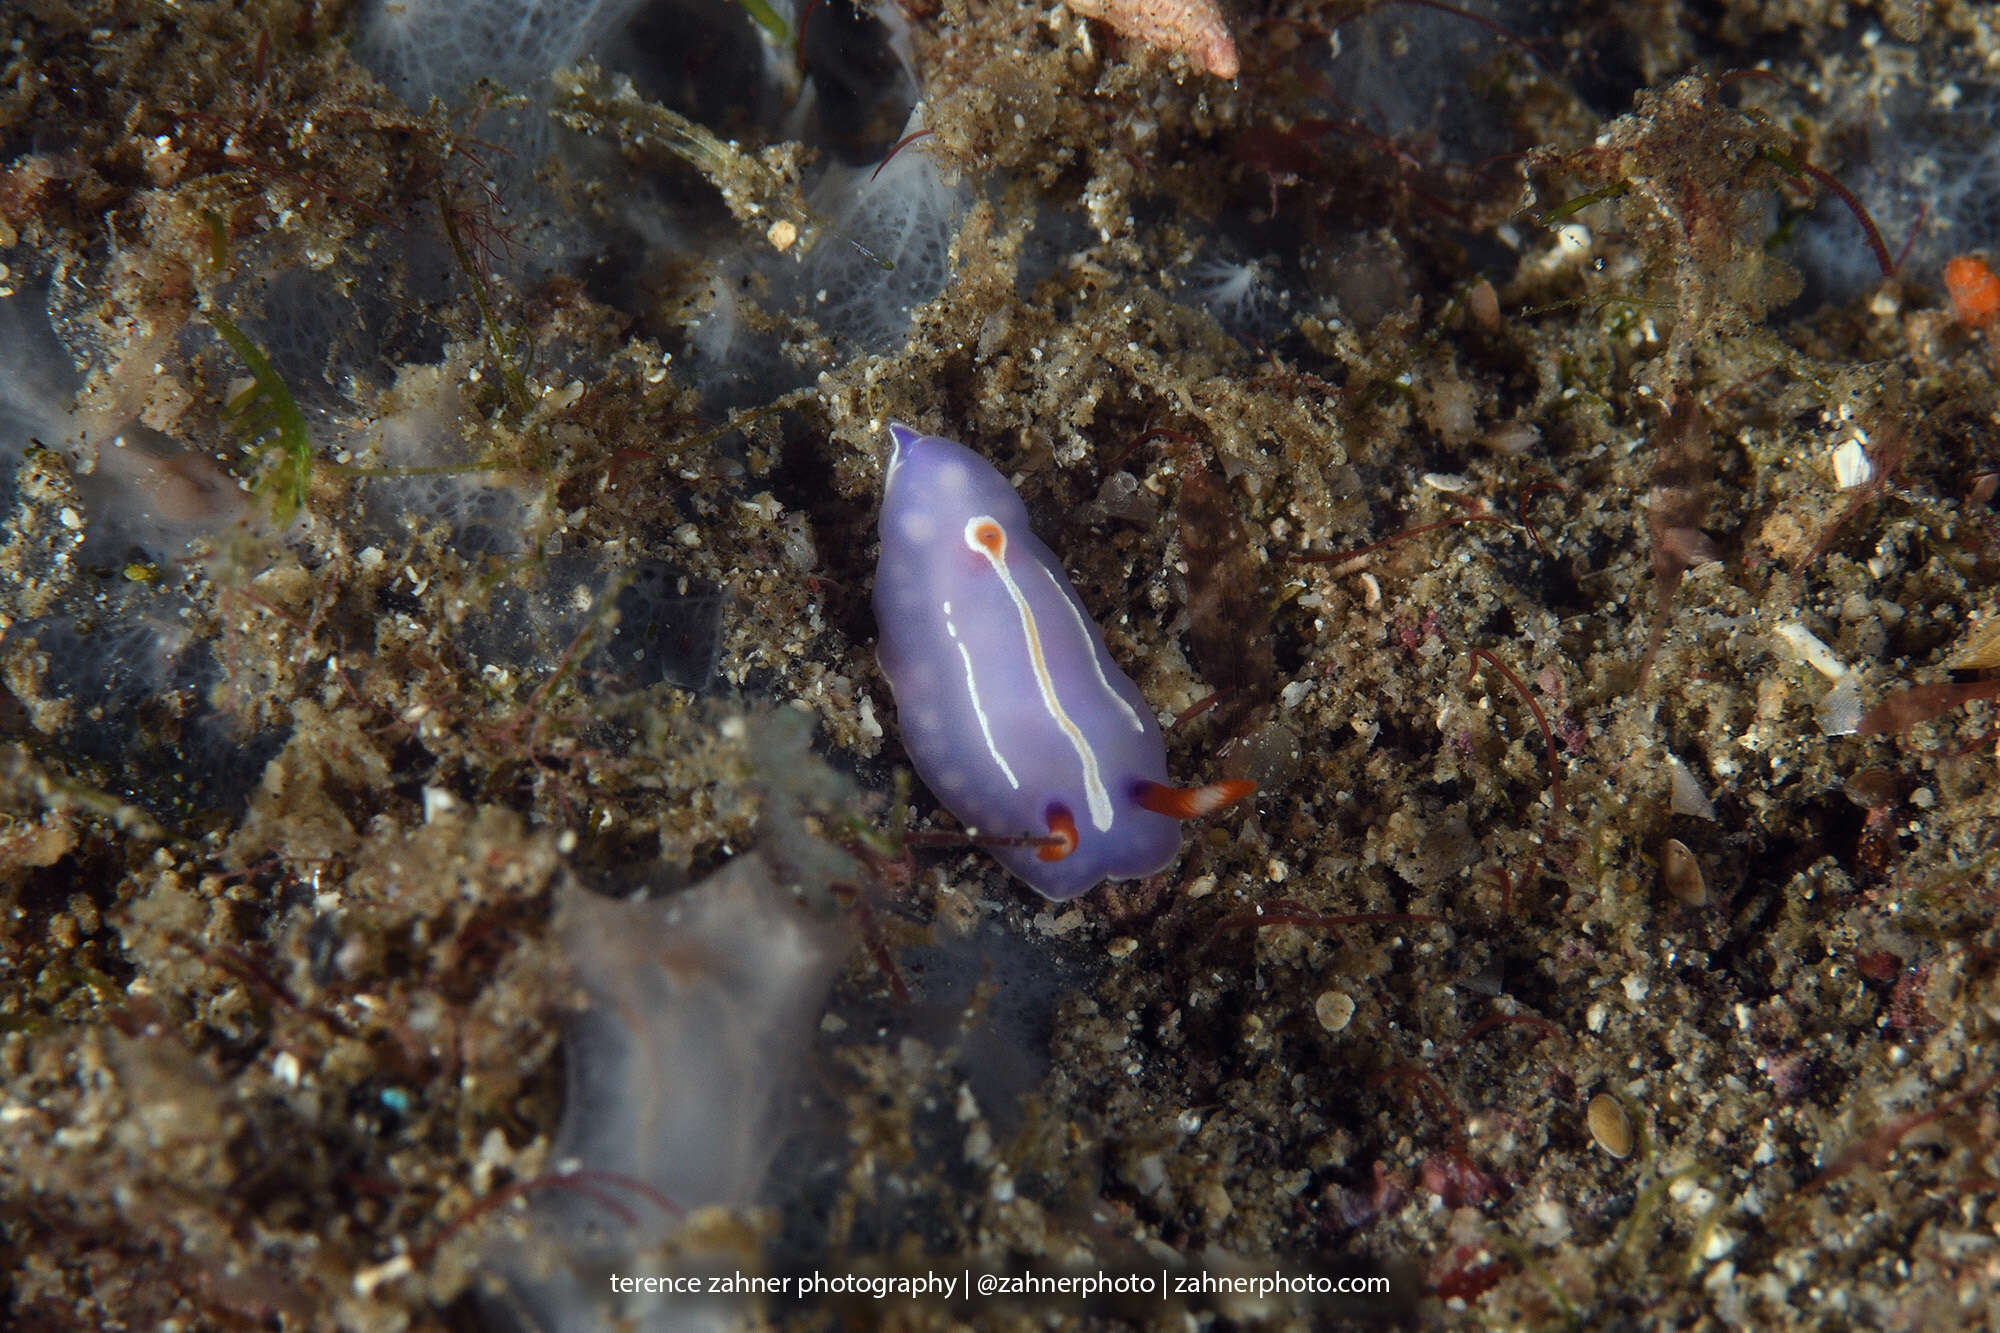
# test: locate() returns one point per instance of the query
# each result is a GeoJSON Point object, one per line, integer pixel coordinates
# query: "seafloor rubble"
{"type": "Point", "coordinates": [455, 845]}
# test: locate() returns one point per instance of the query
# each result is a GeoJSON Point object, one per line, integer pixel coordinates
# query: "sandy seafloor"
{"type": "Point", "coordinates": [453, 851]}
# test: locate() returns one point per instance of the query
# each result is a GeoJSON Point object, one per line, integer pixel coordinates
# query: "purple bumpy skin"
{"type": "Point", "coordinates": [1012, 711]}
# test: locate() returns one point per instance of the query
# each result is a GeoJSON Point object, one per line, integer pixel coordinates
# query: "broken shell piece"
{"type": "Point", "coordinates": [1685, 794]}
{"type": "Point", "coordinates": [1839, 711]}
{"type": "Point", "coordinates": [1810, 649]}
{"type": "Point", "coordinates": [1610, 1125]}
{"type": "Point", "coordinates": [1979, 649]}
{"type": "Point", "coordinates": [1680, 874]}
{"type": "Point", "coordinates": [1851, 467]}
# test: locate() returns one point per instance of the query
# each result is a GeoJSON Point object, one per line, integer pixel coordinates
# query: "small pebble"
{"type": "Point", "coordinates": [1609, 1125]}
{"type": "Point", "coordinates": [1512, 438]}
{"type": "Point", "coordinates": [1483, 304]}
{"type": "Point", "coordinates": [1333, 1010]}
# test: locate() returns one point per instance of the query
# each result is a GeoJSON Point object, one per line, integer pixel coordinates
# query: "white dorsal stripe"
{"type": "Point", "coordinates": [1093, 783]}
{"type": "Point", "coordinates": [1090, 649]}
{"type": "Point", "coordinates": [978, 709]}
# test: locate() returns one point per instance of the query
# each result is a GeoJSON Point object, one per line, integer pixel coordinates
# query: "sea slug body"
{"type": "Point", "coordinates": [1011, 708]}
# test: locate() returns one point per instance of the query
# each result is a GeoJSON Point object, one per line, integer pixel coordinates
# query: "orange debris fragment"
{"type": "Point", "coordinates": [1192, 27]}
{"type": "Point", "coordinates": [1974, 290]}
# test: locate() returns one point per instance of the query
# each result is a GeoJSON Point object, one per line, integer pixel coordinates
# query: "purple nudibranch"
{"type": "Point", "coordinates": [1011, 708]}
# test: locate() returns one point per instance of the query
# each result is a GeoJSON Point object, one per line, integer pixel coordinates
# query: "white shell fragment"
{"type": "Point", "coordinates": [1810, 649]}
{"type": "Point", "coordinates": [1839, 710]}
{"type": "Point", "coordinates": [1685, 795]}
{"type": "Point", "coordinates": [1851, 467]}
{"type": "Point", "coordinates": [1979, 648]}
{"type": "Point", "coordinates": [437, 803]}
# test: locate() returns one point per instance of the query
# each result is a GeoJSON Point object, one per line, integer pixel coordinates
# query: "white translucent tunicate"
{"type": "Point", "coordinates": [903, 214]}
{"type": "Point", "coordinates": [701, 1010]}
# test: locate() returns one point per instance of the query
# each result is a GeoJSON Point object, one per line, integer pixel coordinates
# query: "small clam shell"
{"type": "Point", "coordinates": [1610, 1125]}
{"type": "Point", "coordinates": [1680, 874]}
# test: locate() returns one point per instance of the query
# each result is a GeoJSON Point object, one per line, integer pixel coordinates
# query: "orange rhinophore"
{"type": "Point", "coordinates": [1974, 289]}
{"type": "Point", "coordinates": [1190, 802]}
